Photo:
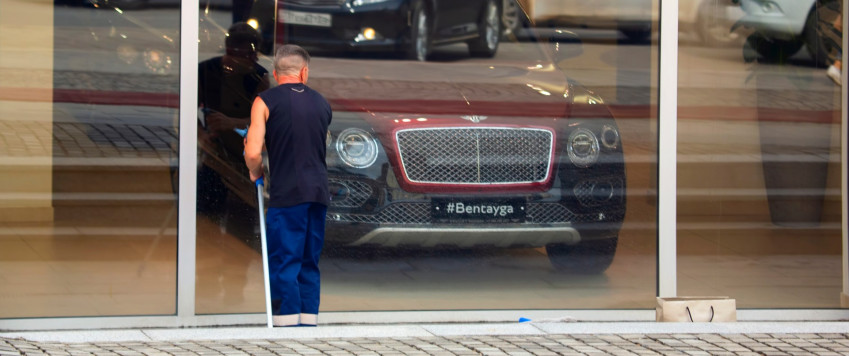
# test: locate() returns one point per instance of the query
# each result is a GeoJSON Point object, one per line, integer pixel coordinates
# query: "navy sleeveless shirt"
{"type": "Point", "coordinates": [296, 140]}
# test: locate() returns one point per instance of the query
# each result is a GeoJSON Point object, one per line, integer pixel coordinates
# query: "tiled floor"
{"type": "Point", "coordinates": [455, 339]}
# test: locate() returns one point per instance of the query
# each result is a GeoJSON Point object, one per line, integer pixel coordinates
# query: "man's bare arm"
{"type": "Point", "coordinates": [256, 138]}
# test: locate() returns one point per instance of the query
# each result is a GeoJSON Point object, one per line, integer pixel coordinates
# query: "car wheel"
{"type": "Point", "coordinates": [490, 32]}
{"type": "Point", "coordinates": [512, 17]}
{"type": "Point", "coordinates": [773, 50]}
{"type": "Point", "coordinates": [821, 38]}
{"type": "Point", "coordinates": [637, 36]}
{"type": "Point", "coordinates": [712, 26]}
{"type": "Point", "coordinates": [588, 257]}
{"type": "Point", "coordinates": [419, 46]}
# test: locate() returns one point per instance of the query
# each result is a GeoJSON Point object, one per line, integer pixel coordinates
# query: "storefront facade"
{"type": "Point", "coordinates": [625, 153]}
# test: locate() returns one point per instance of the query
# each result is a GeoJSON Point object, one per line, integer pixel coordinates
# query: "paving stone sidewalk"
{"type": "Point", "coordinates": [552, 344]}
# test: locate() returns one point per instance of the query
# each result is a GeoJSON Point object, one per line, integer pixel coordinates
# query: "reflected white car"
{"type": "Point", "coordinates": [711, 20]}
{"type": "Point", "coordinates": [782, 27]}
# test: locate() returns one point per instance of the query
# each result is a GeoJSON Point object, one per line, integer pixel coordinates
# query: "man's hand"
{"type": "Point", "coordinates": [217, 122]}
{"type": "Point", "coordinates": [254, 178]}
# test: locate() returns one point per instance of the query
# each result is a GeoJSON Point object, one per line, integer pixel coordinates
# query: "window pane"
{"type": "Point", "coordinates": [88, 98]}
{"type": "Point", "coordinates": [463, 175]}
{"type": "Point", "coordinates": [759, 153]}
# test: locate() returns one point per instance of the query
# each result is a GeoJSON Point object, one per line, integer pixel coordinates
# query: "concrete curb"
{"type": "Point", "coordinates": [429, 330]}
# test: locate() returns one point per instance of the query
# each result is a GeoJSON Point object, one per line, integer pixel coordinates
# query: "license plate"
{"type": "Point", "coordinates": [449, 210]}
{"type": "Point", "coordinates": [304, 18]}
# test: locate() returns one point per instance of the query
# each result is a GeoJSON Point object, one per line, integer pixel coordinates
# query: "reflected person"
{"type": "Point", "coordinates": [227, 86]}
{"type": "Point", "coordinates": [292, 120]}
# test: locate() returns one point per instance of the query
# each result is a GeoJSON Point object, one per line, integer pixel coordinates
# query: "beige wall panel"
{"type": "Point", "coordinates": [26, 113]}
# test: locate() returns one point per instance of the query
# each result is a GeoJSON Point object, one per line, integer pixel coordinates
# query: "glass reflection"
{"type": "Point", "coordinates": [478, 157]}
{"type": "Point", "coordinates": [89, 97]}
{"type": "Point", "coordinates": [759, 158]}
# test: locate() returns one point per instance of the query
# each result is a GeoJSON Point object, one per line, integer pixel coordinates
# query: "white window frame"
{"type": "Point", "coordinates": [844, 161]}
{"type": "Point", "coordinates": [667, 152]}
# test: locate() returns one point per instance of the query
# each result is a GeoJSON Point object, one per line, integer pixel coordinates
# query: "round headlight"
{"type": "Point", "coordinates": [583, 147]}
{"type": "Point", "coordinates": [609, 137]}
{"type": "Point", "coordinates": [357, 148]}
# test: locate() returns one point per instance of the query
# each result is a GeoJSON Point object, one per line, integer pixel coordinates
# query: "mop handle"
{"type": "Point", "coordinates": [261, 200]}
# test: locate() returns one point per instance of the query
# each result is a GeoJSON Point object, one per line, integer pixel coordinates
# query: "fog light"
{"type": "Point", "coordinates": [368, 34]}
{"type": "Point", "coordinates": [602, 191]}
{"type": "Point", "coordinates": [338, 192]}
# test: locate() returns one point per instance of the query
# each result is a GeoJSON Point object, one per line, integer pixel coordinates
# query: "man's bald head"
{"type": "Point", "coordinates": [290, 59]}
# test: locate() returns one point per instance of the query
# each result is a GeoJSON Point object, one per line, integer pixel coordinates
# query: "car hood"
{"type": "Point", "coordinates": [383, 98]}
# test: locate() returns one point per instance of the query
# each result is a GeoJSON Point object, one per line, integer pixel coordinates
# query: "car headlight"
{"type": "Point", "coordinates": [610, 137]}
{"type": "Point", "coordinates": [357, 148]}
{"type": "Point", "coordinates": [367, 2]}
{"type": "Point", "coordinates": [253, 23]}
{"type": "Point", "coordinates": [582, 147]}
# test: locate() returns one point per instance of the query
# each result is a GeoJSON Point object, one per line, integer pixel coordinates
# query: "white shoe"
{"type": "Point", "coordinates": [834, 74]}
{"type": "Point", "coordinates": [285, 320]}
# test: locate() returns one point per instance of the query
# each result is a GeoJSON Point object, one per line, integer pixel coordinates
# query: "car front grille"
{"type": "Point", "coordinates": [476, 155]}
{"type": "Point", "coordinates": [316, 2]}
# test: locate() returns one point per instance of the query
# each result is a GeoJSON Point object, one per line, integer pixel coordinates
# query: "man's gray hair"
{"type": "Point", "coordinates": [289, 59]}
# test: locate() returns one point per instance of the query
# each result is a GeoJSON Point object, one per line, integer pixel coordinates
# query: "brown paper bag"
{"type": "Point", "coordinates": [697, 309]}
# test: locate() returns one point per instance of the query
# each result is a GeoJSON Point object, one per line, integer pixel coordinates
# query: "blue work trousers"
{"type": "Point", "coordinates": [295, 239]}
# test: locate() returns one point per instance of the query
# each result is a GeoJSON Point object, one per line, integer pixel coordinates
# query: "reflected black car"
{"type": "Point", "coordinates": [408, 27]}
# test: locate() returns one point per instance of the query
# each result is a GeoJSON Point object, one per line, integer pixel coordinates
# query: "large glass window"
{"type": "Point", "coordinates": [485, 154]}
{"type": "Point", "coordinates": [759, 152]}
{"type": "Point", "coordinates": [88, 97]}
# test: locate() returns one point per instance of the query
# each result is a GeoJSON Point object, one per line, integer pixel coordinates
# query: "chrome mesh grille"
{"type": "Point", "coordinates": [316, 2]}
{"type": "Point", "coordinates": [475, 155]}
{"type": "Point", "coordinates": [398, 213]}
{"type": "Point", "coordinates": [357, 193]}
{"type": "Point", "coordinates": [419, 213]}
{"type": "Point", "coordinates": [547, 213]}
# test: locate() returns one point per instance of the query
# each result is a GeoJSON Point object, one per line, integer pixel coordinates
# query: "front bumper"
{"type": "Point", "coordinates": [411, 223]}
{"type": "Point", "coordinates": [469, 236]}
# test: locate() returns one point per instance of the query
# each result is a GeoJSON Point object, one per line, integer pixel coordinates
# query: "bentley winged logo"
{"type": "Point", "coordinates": [473, 118]}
